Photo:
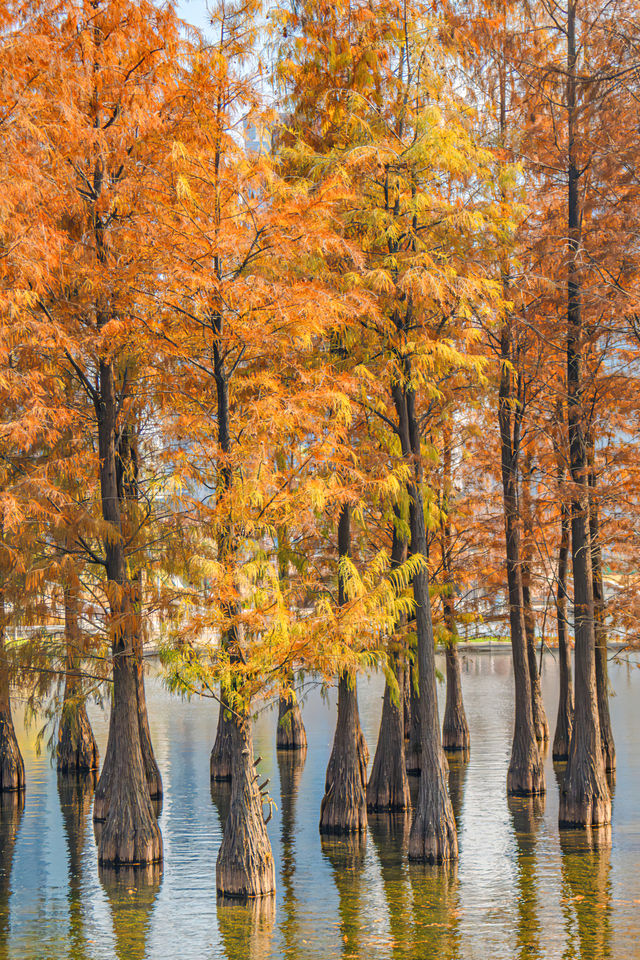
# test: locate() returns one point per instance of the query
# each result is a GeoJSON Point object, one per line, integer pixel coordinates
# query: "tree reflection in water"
{"type": "Point", "coordinates": [390, 836]}
{"type": "Point", "coordinates": [131, 892]}
{"type": "Point", "coordinates": [290, 765]}
{"type": "Point", "coordinates": [586, 876]}
{"type": "Point", "coordinates": [76, 797]}
{"type": "Point", "coordinates": [11, 809]}
{"type": "Point", "coordinates": [436, 911]}
{"type": "Point", "coordinates": [346, 854]}
{"type": "Point", "coordinates": [526, 814]}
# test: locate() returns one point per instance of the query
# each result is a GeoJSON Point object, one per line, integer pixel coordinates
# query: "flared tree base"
{"type": "Point", "coordinates": [130, 835]}
{"type": "Point", "coordinates": [433, 837]}
{"type": "Point", "coordinates": [388, 786]}
{"type": "Point", "coordinates": [455, 737]}
{"type": "Point", "coordinates": [245, 867]}
{"type": "Point", "coordinates": [290, 733]}
{"type": "Point", "coordinates": [12, 778]}
{"type": "Point", "coordinates": [585, 800]}
{"type": "Point", "coordinates": [77, 751]}
{"type": "Point", "coordinates": [525, 777]}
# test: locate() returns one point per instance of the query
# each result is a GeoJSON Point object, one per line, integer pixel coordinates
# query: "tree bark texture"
{"type": "Point", "coordinates": [602, 671]}
{"type": "Point", "coordinates": [388, 787]}
{"type": "Point", "coordinates": [433, 836]}
{"type": "Point", "coordinates": [130, 834]}
{"type": "Point", "coordinates": [526, 774]}
{"type": "Point", "coordinates": [564, 722]}
{"type": "Point", "coordinates": [455, 729]}
{"type": "Point", "coordinates": [77, 751]}
{"type": "Point", "coordinates": [344, 807]}
{"type": "Point", "coordinates": [540, 721]}
{"type": "Point", "coordinates": [220, 763]}
{"type": "Point", "coordinates": [412, 750]}
{"type": "Point", "coordinates": [584, 798]}
{"type": "Point", "coordinates": [290, 732]}
{"type": "Point", "coordinates": [245, 867]}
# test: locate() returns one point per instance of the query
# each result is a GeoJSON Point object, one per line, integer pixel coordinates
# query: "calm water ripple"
{"type": "Point", "coordinates": [519, 890]}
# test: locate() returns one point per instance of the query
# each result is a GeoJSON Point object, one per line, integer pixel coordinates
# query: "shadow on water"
{"type": "Point", "coordinates": [11, 810]}
{"type": "Point", "coordinates": [290, 765]}
{"type": "Point", "coordinates": [76, 797]}
{"type": "Point", "coordinates": [346, 854]}
{"type": "Point", "coordinates": [436, 911]}
{"type": "Point", "coordinates": [390, 836]}
{"type": "Point", "coordinates": [526, 815]}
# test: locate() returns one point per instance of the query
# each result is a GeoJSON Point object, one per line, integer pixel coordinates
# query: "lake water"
{"type": "Point", "coordinates": [519, 890]}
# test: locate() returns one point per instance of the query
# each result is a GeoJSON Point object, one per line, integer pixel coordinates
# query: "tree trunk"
{"type": "Point", "coordinates": [388, 787]}
{"type": "Point", "coordinates": [151, 769]}
{"type": "Point", "coordinates": [584, 798]}
{"type": "Point", "coordinates": [130, 834]}
{"type": "Point", "coordinates": [406, 702]}
{"type": "Point", "coordinates": [290, 733]}
{"type": "Point", "coordinates": [413, 761]}
{"type": "Point", "coordinates": [245, 865]}
{"type": "Point", "coordinates": [455, 729]}
{"type": "Point", "coordinates": [220, 763]}
{"type": "Point", "coordinates": [77, 752]}
{"type": "Point", "coordinates": [526, 774]}
{"type": "Point", "coordinates": [433, 836]}
{"type": "Point", "coordinates": [540, 722]}
{"type": "Point", "coordinates": [344, 807]}
{"type": "Point", "coordinates": [564, 722]}
{"type": "Point", "coordinates": [11, 764]}
{"type": "Point", "coordinates": [602, 672]}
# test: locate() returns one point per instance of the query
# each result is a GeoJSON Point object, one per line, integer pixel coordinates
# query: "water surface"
{"type": "Point", "coordinates": [519, 889]}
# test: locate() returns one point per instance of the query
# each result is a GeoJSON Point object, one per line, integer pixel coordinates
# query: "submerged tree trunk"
{"type": "Point", "coordinates": [77, 752]}
{"type": "Point", "coordinates": [540, 721]}
{"type": "Point", "coordinates": [245, 865]}
{"type": "Point", "coordinates": [584, 798]}
{"type": "Point", "coordinates": [12, 777]}
{"type": "Point", "coordinates": [388, 787]}
{"type": "Point", "coordinates": [433, 836]}
{"type": "Point", "coordinates": [344, 807]}
{"type": "Point", "coordinates": [602, 672]}
{"type": "Point", "coordinates": [130, 834]}
{"type": "Point", "coordinates": [290, 733]}
{"type": "Point", "coordinates": [564, 722]}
